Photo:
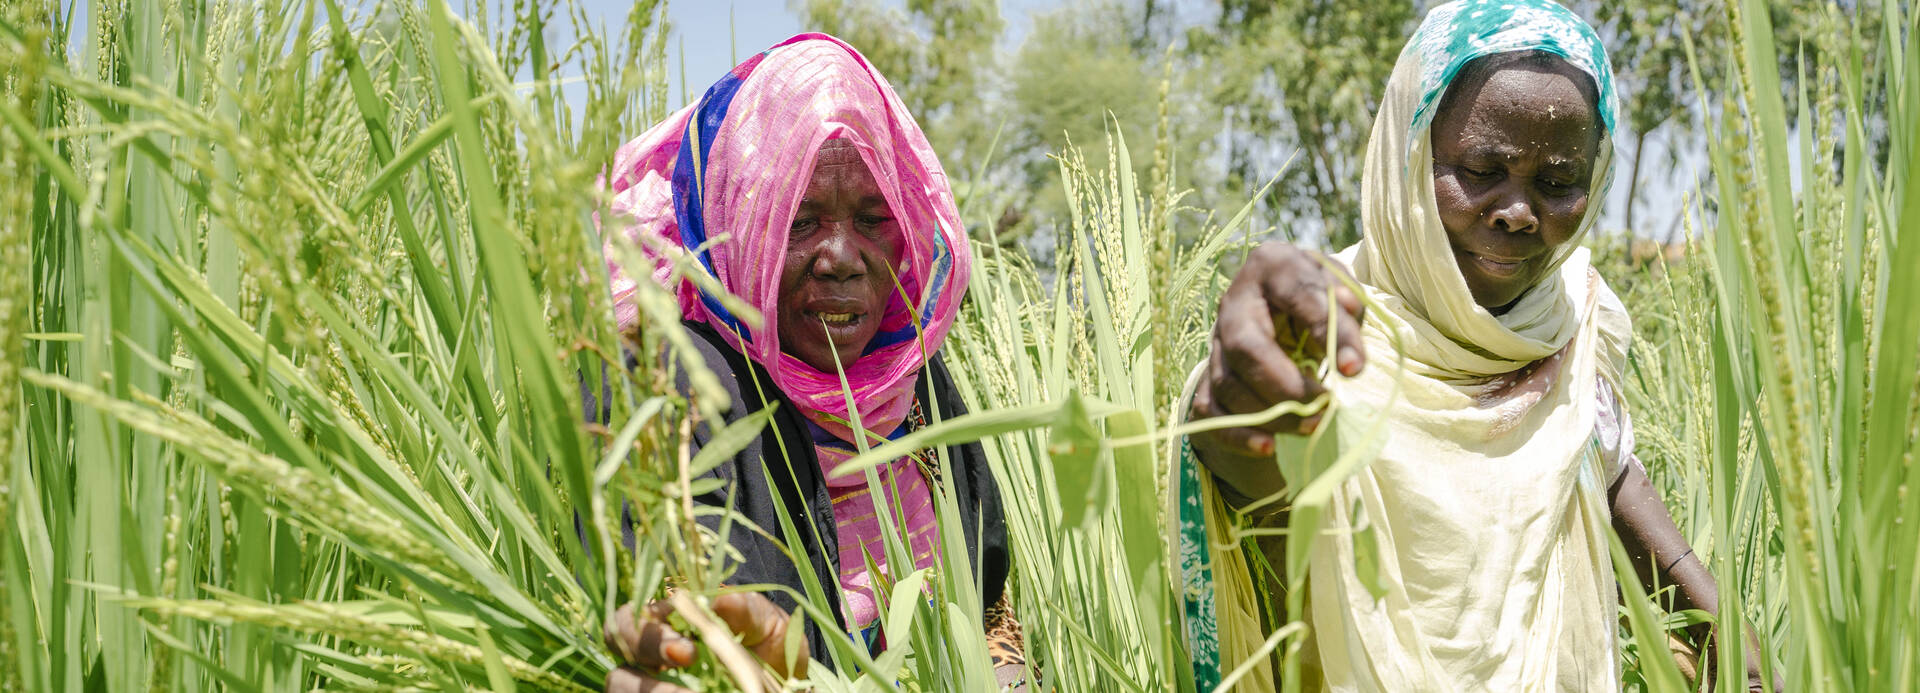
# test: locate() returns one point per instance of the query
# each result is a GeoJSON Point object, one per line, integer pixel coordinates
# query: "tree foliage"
{"type": "Point", "coordinates": [1301, 80]}
{"type": "Point", "coordinates": [1255, 86]}
{"type": "Point", "coordinates": [1647, 41]}
{"type": "Point", "coordinates": [938, 54]}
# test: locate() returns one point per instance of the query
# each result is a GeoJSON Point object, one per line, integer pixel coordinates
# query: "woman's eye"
{"type": "Point", "coordinates": [1477, 173]}
{"type": "Point", "coordinates": [1555, 187]}
{"type": "Point", "coordinates": [801, 224]}
{"type": "Point", "coordinates": [873, 219]}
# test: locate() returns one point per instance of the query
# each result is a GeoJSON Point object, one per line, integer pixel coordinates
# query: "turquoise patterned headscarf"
{"type": "Point", "coordinates": [1456, 33]}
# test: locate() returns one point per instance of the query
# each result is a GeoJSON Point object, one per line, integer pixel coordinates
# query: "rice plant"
{"type": "Point", "coordinates": [313, 309]}
{"type": "Point", "coordinates": [298, 302]}
{"type": "Point", "coordinates": [306, 345]}
{"type": "Point", "coordinates": [1084, 491]}
{"type": "Point", "coordinates": [1783, 382]}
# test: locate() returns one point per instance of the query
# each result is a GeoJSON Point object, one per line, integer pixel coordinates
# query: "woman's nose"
{"type": "Point", "coordinates": [1512, 211]}
{"type": "Point", "coordinates": [838, 256]}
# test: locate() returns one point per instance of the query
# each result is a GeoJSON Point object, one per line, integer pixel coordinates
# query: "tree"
{"type": "Point", "coordinates": [938, 54]}
{"type": "Point", "coordinates": [1077, 66]}
{"type": "Point", "coordinates": [1302, 80]}
{"type": "Point", "coordinates": [1078, 75]}
{"type": "Point", "coordinates": [1646, 40]}
{"type": "Point", "coordinates": [1255, 84]}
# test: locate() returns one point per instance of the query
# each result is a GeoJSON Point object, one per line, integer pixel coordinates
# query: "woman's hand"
{"type": "Point", "coordinates": [648, 646]}
{"type": "Point", "coordinates": [1276, 304]}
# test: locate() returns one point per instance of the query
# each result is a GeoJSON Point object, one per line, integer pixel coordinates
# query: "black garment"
{"type": "Point", "coordinates": [764, 483]}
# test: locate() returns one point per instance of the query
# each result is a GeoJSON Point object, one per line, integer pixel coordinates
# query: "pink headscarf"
{"type": "Point", "coordinates": [738, 161]}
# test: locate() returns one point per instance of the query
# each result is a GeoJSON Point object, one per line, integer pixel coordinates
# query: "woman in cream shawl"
{"type": "Point", "coordinates": [1463, 544]}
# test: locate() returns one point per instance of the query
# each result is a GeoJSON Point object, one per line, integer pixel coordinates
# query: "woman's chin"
{"type": "Point", "coordinates": [816, 341]}
{"type": "Point", "coordinates": [847, 348]}
{"type": "Point", "coordinates": [824, 362]}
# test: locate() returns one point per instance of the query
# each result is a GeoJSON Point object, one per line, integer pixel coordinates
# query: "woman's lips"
{"type": "Point", "coordinates": [1497, 266]}
{"type": "Point", "coordinates": [840, 322]}
{"type": "Point", "coordinates": [843, 318]}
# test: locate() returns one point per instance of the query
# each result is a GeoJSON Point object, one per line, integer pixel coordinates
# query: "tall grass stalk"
{"type": "Point", "coordinates": [1783, 385]}
{"type": "Point", "coordinates": [305, 404]}
{"type": "Point", "coordinates": [311, 296]}
{"type": "Point", "coordinates": [316, 294]}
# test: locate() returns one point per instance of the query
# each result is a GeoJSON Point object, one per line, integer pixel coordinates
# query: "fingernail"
{"type": "Point", "coordinates": [1263, 446]}
{"type": "Point", "coordinates": [1349, 361]}
{"type": "Point", "coordinates": [680, 651]}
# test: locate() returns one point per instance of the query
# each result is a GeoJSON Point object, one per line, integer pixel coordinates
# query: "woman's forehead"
{"type": "Point", "coordinates": [1556, 94]}
{"type": "Point", "coordinates": [842, 175]}
{"type": "Point", "coordinates": [1458, 33]}
{"type": "Point", "coordinates": [1508, 111]}
{"type": "Point", "coordinates": [838, 150]}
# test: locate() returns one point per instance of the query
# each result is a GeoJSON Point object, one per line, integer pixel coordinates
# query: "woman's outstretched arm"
{"type": "Point", "coordinates": [1662, 558]}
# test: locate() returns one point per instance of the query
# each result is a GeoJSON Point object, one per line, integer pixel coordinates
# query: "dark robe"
{"type": "Point", "coordinates": [767, 479]}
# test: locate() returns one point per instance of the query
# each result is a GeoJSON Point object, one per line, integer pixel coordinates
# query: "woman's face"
{"type": "Point", "coordinates": [841, 253]}
{"type": "Point", "coordinates": [1513, 156]}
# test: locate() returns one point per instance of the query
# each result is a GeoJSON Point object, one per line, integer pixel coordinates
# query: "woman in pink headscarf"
{"type": "Point", "coordinates": [803, 186]}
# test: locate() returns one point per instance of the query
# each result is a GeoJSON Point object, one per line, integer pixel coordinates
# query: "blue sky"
{"type": "Point", "coordinates": [701, 35]}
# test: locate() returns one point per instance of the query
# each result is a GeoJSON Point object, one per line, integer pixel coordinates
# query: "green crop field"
{"type": "Point", "coordinates": [297, 300]}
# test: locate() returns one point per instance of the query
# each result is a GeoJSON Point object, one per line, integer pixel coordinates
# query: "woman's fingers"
{"type": "Point", "coordinates": [1280, 298]}
{"type": "Point", "coordinates": [1250, 355]}
{"type": "Point", "coordinates": [620, 634]}
{"type": "Point", "coordinates": [1247, 348]}
{"type": "Point", "coordinates": [661, 647]}
{"type": "Point", "coordinates": [1352, 352]}
{"type": "Point", "coordinates": [1242, 441]}
{"type": "Point", "coordinates": [1283, 298]}
{"type": "Point", "coordinates": [1235, 396]}
{"type": "Point", "coordinates": [648, 642]}
{"type": "Point", "coordinates": [762, 627]}
{"type": "Point", "coordinates": [1307, 297]}
{"type": "Point", "coordinates": [631, 680]}
{"type": "Point", "coordinates": [750, 615]}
